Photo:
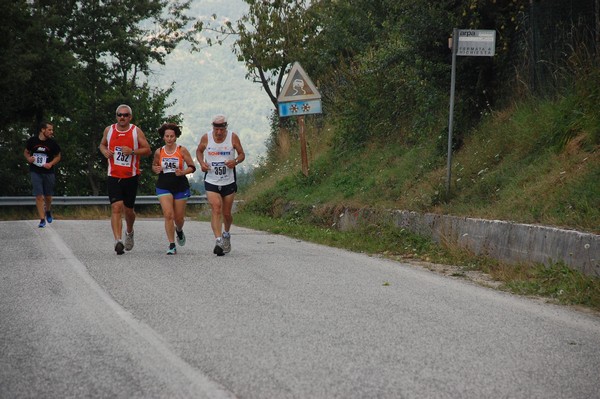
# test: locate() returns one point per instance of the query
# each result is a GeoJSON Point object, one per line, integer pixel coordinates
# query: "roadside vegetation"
{"type": "Point", "coordinates": [506, 170]}
{"type": "Point", "coordinates": [533, 162]}
{"type": "Point", "coordinates": [536, 161]}
{"type": "Point", "coordinates": [525, 147]}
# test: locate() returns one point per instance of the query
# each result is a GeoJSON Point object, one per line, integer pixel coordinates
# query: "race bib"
{"type": "Point", "coordinates": [170, 165]}
{"type": "Point", "coordinates": [40, 159]}
{"type": "Point", "coordinates": [121, 159]}
{"type": "Point", "coordinates": [219, 168]}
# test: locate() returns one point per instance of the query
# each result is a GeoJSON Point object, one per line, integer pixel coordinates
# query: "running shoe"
{"type": "Point", "coordinates": [171, 251]}
{"type": "Point", "coordinates": [42, 224]}
{"type": "Point", "coordinates": [128, 241]}
{"type": "Point", "coordinates": [180, 238]}
{"type": "Point", "coordinates": [49, 216]}
{"type": "Point", "coordinates": [226, 242]}
{"type": "Point", "coordinates": [119, 247]}
{"type": "Point", "coordinates": [219, 247]}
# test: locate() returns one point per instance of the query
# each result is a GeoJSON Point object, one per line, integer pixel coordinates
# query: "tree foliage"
{"type": "Point", "coordinates": [383, 66]}
{"type": "Point", "coordinates": [73, 62]}
{"type": "Point", "coordinates": [33, 62]}
{"type": "Point", "coordinates": [269, 37]}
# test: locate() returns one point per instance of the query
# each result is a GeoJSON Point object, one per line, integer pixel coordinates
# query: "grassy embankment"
{"type": "Point", "coordinates": [536, 162]}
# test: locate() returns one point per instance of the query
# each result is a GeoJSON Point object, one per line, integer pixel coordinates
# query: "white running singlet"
{"type": "Point", "coordinates": [215, 156]}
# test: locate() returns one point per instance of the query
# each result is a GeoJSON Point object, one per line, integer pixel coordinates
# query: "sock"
{"type": "Point", "coordinates": [172, 245]}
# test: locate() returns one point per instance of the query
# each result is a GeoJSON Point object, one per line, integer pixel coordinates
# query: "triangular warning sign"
{"type": "Point", "coordinates": [298, 86]}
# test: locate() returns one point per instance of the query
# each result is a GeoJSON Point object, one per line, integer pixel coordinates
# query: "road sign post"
{"type": "Point", "coordinates": [303, 154]}
{"type": "Point", "coordinates": [465, 42]}
{"type": "Point", "coordinates": [299, 97]}
{"type": "Point", "coordinates": [451, 114]}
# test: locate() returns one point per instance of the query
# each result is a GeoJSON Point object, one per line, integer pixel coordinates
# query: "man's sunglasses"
{"type": "Point", "coordinates": [125, 115]}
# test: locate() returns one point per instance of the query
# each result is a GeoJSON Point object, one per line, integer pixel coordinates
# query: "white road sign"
{"type": "Point", "coordinates": [473, 42]}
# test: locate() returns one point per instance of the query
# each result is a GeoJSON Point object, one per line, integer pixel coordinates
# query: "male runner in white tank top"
{"type": "Point", "coordinates": [218, 152]}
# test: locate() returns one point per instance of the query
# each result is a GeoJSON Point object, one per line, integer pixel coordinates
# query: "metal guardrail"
{"type": "Point", "coordinates": [91, 200]}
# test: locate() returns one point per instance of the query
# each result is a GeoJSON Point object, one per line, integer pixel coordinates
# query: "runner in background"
{"type": "Point", "coordinates": [43, 153]}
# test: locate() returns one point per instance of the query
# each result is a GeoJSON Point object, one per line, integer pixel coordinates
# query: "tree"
{"type": "Point", "coordinates": [73, 62]}
{"type": "Point", "coordinates": [34, 78]}
{"type": "Point", "coordinates": [386, 81]}
{"type": "Point", "coordinates": [114, 50]}
{"type": "Point", "coordinates": [270, 37]}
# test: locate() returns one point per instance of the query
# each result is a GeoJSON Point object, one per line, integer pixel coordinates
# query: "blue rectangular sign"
{"type": "Point", "coordinates": [295, 108]}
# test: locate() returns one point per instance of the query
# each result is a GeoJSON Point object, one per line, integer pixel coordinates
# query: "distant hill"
{"type": "Point", "coordinates": [212, 82]}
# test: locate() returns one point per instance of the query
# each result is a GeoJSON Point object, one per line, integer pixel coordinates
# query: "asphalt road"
{"type": "Point", "coordinates": [275, 318]}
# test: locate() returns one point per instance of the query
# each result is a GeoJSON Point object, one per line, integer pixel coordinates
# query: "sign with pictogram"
{"type": "Point", "coordinates": [298, 86]}
{"type": "Point", "coordinates": [299, 95]}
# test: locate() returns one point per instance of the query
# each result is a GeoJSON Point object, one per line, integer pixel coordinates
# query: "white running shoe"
{"type": "Point", "coordinates": [128, 241]}
{"type": "Point", "coordinates": [226, 242]}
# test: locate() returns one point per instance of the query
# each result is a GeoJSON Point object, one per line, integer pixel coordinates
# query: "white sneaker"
{"type": "Point", "coordinates": [128, 241]}
{"type": "Point", "coordinates": [226, 242]}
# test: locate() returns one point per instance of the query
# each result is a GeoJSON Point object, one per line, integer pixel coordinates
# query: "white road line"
{"type": "Point", "coordinates": [200, 386]}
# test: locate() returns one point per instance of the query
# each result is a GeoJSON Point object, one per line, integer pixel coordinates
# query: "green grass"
{"type": "Point", "coordinates": [558, 282]}
{"type": "Point", "coordinates": [536, 162]}
{"type": "Point", "coordinates": [372, 239]}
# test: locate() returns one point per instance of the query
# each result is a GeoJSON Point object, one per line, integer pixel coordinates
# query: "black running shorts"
{"type": "Point", "coordinates": [122, 190]}
{"type": "Point", "coordinates": [223, 190]}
